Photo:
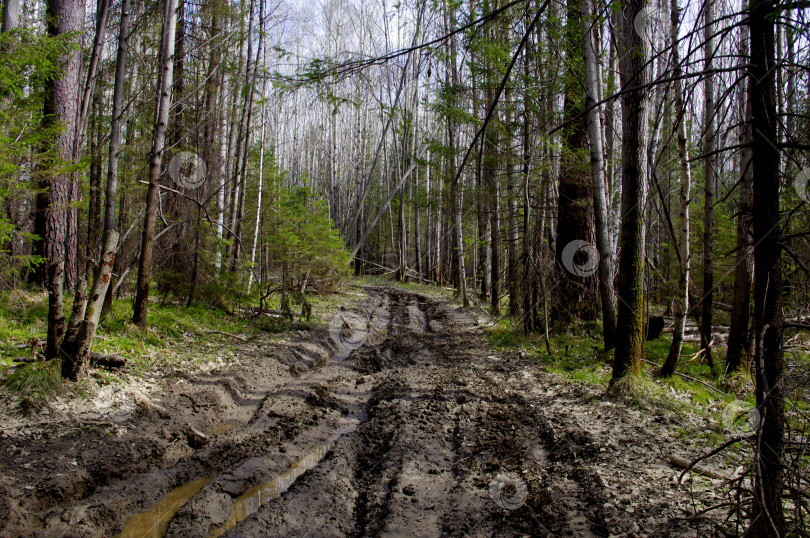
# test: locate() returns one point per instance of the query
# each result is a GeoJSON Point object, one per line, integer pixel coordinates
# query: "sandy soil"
{"type": "Point", "coordinates": [421, 431]}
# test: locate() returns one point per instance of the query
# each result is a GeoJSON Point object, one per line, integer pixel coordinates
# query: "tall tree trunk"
{"type": "Point", "coordinates": [243, 140]}
{"type": "Point", "coordinates": [512, 224]}
{"type": "Point", "coordinates": [428, 225]}
{"type": "Point", "coordinates": [60, 108]}
{"type": "Point", "coordinates": [681, 299]}
{"type": "Point", "coordinates": [256, 228]}
{"type": "Point", "coordinates": [634, 75]}
{"type": "Point", "coordinates": [163, 101]}
{"type": "Point", "coordinates": [222, 184]}
{"type": "Point", "coordinates": [603, 243]}
{"type": "Point", "coordinates": [708, 185]}
{"type": "Point", "coordinates": [88, 96]}
{"type": "Point", "coordinates": [77, 348]}
{"type": "Point", "coordinates": [234, 123]}
{"type": "Point", "coordinates": [460, 276]}
{"type": "Point", "coordinates": [530, 277]}
{"type": "Point", "coordinates": [11, 14]}
{"type": "Point", "coordinates": [489, 179]}
{"type": "Point", "coordinates": [767, 517]}
{"type": "Point", "coordinates": [738, 334]}
{"type": "Point", "coordinates": [417, 197]}
{"type": "Point", "coordinates": [213, 134]}
{"type": "Point", "coordinates": [94, 223]}
{"type": "Point", "coordinates": [576, 269]}
{"type": "Point", "coordinates": [110, 222]}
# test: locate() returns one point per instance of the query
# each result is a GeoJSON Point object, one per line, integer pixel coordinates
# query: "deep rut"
{"type": "Point", "coordinates": [422, 431]}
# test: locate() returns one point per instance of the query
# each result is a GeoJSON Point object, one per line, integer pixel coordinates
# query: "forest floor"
{"type": "Point", "coordinates": [425, 430]}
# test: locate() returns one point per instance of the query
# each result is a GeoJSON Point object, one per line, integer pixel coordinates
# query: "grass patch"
{"type": "Point", "coordinates": [575, 353]}
{"type": "Point", "coordinates": [577, 356]}
{"type": "Point", "coordinates": [173, 333]}
{"type": "Point", "coordinates": [36, 381]}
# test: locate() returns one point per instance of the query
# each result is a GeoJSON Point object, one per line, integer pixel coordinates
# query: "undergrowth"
{"type": "Point", "coordinates": [695, 397]}
{"type": "Point", "coordinates": [174, 335]}
{"type": "Point", "coordinates": [38, 380]}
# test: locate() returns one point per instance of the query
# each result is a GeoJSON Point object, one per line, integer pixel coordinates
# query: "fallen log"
{"type": "Point", "coordinates": [107, 361]}
{"type": "Point", "coordinates": [29, 358]}
{"type": "Point", "coordinates": [33, 343]}
{"type": "Point", "coordinates": [242, 338]}
{"type": "Point", "coordinates": [98, 360]}
{"type": "Point", "coordinates": [254, 311]}
{"type": "Point", "coordinates": [697, 469]}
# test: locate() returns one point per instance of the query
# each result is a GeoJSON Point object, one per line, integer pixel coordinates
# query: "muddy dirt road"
{"type": "Point", "coordinates": [421, 431]}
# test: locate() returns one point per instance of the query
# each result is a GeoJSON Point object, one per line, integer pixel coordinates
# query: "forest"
{"type": "Point", "coordinates": [610, 190]}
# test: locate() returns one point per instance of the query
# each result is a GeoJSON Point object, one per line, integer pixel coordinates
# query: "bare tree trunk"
{"type": "Point", "coordinates": [94, 224]}
{"type": "Point", "coordinates": [513, 241]}
{"type": "Point", "coordinates": [483, 235]}
{"type": "Point", "coordinates": [110, 222]}
{"type": "Point", "coordinates": [243, 139]}
{"type": "Point", "coordinates": [602, 235]}
{"type": "Point", "coordinates": [102, 11]}
{"type": "Point", "coordinates": [155, 158]}
{"type": "Point", "coordinates": [77, 349]}
{"type": "Point", "coordinates": [417, 227]}
{"type": "Point", "coordinates": [416, 197]}
{"type": "Point", "coordinates": [530, 276]}
{"type": "Point", "coordinates": [710, 174]}
{"type": "Point", "coordinates": [634, 74]}
{"type": "Point", "coordinates": [681, 300]}
{"type": "Point", "coordinates": [455, 188]}
{"type": "Point", "coordinates": [767, 516]}
{"type": "Point", "coordinates": [222, 184]}
{"type": "Point", "coordinates": [495, 230]}
{"type": "Point", "coordinates": [738, 334]}
{"type": "Point", "coordinates": [428, 225]}
{"type": "Point", "coordinates": [214, 133]}
{"type": "Point", "coordinates": [234, 122]}
{"type": "Point", "coordinates": [459, 234]}
{"type": "Point", "coordinates": [258, 204]}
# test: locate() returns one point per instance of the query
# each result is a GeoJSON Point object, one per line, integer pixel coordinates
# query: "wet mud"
{"type": "Point", "coordinates": [422, 430]}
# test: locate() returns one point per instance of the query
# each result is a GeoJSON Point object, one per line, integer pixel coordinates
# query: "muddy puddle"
{"type": "Point", "coordinates": [250, 501]}
{"type": "Point", "coordinates": [225, 427]}
{"type": "Point", "coordinates": [254, 498]}
{"type": "Point", "coordinates": [155, 522]}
